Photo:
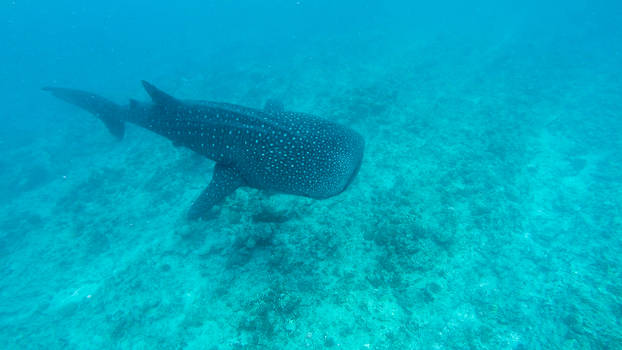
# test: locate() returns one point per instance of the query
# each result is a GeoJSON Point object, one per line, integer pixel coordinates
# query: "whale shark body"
{"type": "Point", "coordinates": [270, 148]}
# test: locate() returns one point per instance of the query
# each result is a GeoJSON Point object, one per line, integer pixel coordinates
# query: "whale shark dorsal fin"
{"type": "Point", "coordinates": [158, 96]}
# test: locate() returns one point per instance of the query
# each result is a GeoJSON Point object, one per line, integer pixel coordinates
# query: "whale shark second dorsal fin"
{"type": "Point", "coordinates": [158, 96]}
{"type": "Point", "coordinates": [273, 106]}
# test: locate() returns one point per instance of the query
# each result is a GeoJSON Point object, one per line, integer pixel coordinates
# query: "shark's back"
{"type": "Point", "coordinates": [279, 150]}
{"type": "Point", "coordinates": [302, 154]}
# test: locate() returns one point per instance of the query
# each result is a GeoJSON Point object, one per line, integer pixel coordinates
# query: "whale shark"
{"type": "Point", "coordinates": [267, 149]}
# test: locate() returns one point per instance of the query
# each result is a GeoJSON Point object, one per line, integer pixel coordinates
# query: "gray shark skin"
{"type": "Point", "coordinates": [269, 149]}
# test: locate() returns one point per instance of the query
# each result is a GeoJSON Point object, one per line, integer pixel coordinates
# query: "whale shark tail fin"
{"type": "Point", "coordinates": [110, 113]}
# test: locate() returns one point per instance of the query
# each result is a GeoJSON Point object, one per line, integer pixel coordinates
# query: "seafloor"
{"type": "Point", "coordinates": [486, 215]}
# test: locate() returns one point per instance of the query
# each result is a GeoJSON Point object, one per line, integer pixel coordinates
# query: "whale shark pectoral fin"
{"type": "Point", "coordinates": [224, 182]}
{"type": "Point", "coordinates": [158, 96]}
{"type": "Point", "coordinates": [273, 105]}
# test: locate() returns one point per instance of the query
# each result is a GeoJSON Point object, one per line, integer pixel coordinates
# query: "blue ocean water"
{"type": "Point", "coordinates": [487, 213]}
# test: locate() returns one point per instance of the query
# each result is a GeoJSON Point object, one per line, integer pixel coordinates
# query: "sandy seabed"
{"type": "Point", "coordinates": [486, 215]}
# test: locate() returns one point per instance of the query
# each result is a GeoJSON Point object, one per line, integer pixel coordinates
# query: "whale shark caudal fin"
{"type": "Point", "coordinates": [224, 182]}
{"type": "Point", "coordinates": [107, 111]}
